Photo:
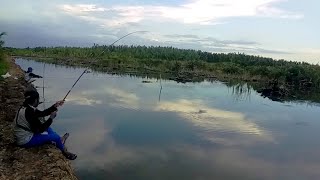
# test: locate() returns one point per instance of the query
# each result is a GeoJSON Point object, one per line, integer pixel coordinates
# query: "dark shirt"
{"type": "Point", "coordinates": [34, 116]}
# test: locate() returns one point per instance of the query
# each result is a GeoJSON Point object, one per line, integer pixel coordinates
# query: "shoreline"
{"type": "Point", "coordinates": [180, 77]}
{"type": "Point", "coordinates": [44, 162]}
{"type": "Point", "coordinates": [265, 87]}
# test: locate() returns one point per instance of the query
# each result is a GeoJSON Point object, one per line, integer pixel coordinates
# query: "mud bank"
{"type": "Point", "coordinates": [45, 162]}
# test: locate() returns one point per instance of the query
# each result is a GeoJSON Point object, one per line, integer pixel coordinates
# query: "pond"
{"type": "Point", "coordinates": [122, 128]}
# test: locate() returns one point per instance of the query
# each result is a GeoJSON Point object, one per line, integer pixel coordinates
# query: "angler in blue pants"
{"type": "Point", "coordinates": [40, 139]}
{"type": "Point", "coordinates": [31, 129]}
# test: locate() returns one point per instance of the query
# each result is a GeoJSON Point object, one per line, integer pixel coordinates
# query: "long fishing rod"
{"type": "Point", "coordinates": [99, 55]}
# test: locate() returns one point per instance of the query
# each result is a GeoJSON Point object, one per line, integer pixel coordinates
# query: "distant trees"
{"type": "Point", "coordinates": [179, 60]}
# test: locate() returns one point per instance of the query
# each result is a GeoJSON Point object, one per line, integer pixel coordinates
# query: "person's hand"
{"type": "Point", "coordinates": [53, 115]}
{"type": "Point", "coordinates": [58, 103]}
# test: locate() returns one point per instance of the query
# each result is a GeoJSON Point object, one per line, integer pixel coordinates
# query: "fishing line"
{"type": "Point", "coordinates": [98, 56]}
{"type": "Point", "coordinates": [44, 106]}
{"type": "Point", "coordinates": [160, 89]}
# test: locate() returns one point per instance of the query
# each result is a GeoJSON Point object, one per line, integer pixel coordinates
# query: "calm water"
{"type": "Point", "coordinates": [120, 129]}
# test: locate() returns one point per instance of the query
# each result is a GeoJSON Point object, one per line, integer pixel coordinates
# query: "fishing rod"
{"type": "Point", "coordinates": [99, 55]}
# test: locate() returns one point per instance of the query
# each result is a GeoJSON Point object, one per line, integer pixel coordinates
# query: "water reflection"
{"type": "Point", "coordinates": [241, 91]}
{"type": "Point", "coordinates": [82, 100]}
{"type": "Point", "coordinates": [215, 120]}
{"type": "Point", "coordinates": [123, 99]}
{"type": "Point", "coordinates": [120, 130]}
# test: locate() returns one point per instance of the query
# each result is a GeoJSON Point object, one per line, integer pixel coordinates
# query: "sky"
{"type": "Point", "coordinates": [281, 29]}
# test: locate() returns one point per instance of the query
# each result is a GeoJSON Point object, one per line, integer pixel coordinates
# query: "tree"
{"type": "Point", "coordinates": [1, 41]}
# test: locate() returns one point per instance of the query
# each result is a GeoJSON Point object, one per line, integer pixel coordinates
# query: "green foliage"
{"type": "Point", "coordinates": [231, 68]}
{"type": "Point", "coordinates": [3, 65]}
{"type": "Point", "coordinates": [176, 60]}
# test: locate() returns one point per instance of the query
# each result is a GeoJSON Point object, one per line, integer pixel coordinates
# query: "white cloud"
{"type": "Point", "coordinates": [312, 54]}
{"type": "Point", "coordinates": [81, 8]}
{"type": "Point", "coordinates": [203, 12]}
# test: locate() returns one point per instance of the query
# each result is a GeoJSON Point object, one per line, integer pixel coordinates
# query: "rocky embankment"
{"type": "Point", "coordinates": [44, 162]}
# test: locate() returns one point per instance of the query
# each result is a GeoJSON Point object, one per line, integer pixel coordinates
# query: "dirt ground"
{"type": "Point", "coordinates": [45, 162]}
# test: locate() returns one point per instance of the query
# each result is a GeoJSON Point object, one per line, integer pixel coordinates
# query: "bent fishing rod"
{"type": "Point", "coordinates": [98, 56]}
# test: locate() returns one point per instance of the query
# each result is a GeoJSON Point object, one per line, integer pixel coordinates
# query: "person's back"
{"type": "Point", "coordinates": [22, 128]}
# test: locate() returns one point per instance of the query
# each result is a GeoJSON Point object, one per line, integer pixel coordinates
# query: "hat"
{"type": "Point", "coordinates": [29, 69]}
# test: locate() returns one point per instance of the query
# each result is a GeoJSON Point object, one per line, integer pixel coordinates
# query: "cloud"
{"type": "Point", "coordinates": [82, 24]}
{"type": "Point", "coordinates": [212, 44]}
{"type": "Point", "coordinates": [187, 36]}
{"type": "Point", "coordinates": [107, 17]}
{"type": "Point", "coordinates": [269, 51]}
{"type": "Point", "coordinates": [210, 40]}
{"type": "Point", "coordinates": [201, 12]}
{"type": "Point", "coordinates": [269, 11]}
{"type": "Point", "coordinates": [80, 8]}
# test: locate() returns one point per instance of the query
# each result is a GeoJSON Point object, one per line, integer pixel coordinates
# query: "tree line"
{"type": "Point", "coordinates": [177, 60]}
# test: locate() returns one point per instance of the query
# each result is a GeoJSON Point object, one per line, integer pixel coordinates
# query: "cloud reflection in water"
{"type": "Point", "coordinates": [214, 121]}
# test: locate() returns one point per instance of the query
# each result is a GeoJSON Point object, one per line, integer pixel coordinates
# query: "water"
{"type": "Point", "coordinates": [120, 129]}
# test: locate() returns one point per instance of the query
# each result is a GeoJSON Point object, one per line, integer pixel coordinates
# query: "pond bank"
{"type": "Point", "coordinates": [266, 87]}
{"type": "Point", "coordinates": [45, 162]}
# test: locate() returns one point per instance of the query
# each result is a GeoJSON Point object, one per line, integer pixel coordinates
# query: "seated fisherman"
{"type": "Point", "coordinates": [31, 129]}
{"type": "Point", "coordinates": [29, 75]}
{"type": "Point", "coordinates": [28, 78]}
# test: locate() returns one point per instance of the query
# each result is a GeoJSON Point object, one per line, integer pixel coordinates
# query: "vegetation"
{"type": "Point", "coordinates": [3, 65]}
{"type": "Point", "coordinates": [180, 61]}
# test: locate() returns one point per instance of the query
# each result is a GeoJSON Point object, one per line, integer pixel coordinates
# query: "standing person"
{"type": "Point", "coordinates": [31, 129]}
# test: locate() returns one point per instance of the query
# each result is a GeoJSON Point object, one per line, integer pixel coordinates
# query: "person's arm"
{"type": "Point", "coordinates": [34, 75]}
{"type": "Point", "coordinates": [45, 112]}
{"type": "Point", "coordinates": [32, 116]}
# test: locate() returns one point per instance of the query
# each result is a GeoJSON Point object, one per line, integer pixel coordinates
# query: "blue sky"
{"type": "Point", "coordinates": [274, 28]}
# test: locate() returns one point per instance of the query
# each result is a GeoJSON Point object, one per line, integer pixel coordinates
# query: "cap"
{"type": "Point", "coordinates": [30, 69]}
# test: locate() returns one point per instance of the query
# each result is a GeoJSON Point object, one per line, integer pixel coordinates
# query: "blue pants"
{"type": "Point", "coordinates": [40, 139]}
